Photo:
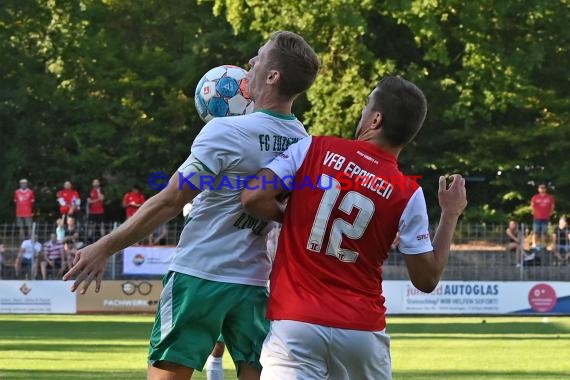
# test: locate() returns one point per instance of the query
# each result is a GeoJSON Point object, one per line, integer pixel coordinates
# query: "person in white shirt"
{"type": "Point", "coordinates": [28, 256]}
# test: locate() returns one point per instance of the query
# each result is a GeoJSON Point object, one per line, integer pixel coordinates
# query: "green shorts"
{"type": "Point", "coordinates": [193, 312]}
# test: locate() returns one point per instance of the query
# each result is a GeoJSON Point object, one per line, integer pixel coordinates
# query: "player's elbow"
{"type": "Point", "coordinates": [425, 286]}
{"type": "Point", "coordinates": [425, 283]}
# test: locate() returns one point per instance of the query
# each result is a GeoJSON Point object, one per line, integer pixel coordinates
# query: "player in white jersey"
{"type": "Point", "coordinates": [218, 278]}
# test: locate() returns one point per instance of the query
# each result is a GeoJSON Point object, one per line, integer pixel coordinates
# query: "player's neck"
{"type": "Point", "coordinates": [274, 104]}
{"type": "Point", "coordinates": [379, 142]}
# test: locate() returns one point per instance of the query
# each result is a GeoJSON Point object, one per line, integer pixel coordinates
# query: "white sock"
{"type": "Point", "coordinates": [214, 368]}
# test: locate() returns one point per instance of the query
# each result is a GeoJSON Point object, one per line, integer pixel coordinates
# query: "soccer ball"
{"type": "Point", "coordinates": [222, 92]}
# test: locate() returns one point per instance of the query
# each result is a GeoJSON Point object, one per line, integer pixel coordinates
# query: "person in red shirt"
{"type": "Point", "coordinates": [96, 210]}
{"type": "Point", "coordinates": [69, 201]}
{"type": "Point", "coordinates": [132, 201]}
{"type": "Point", "coordinates": [348, 201]}
{"type": "Point", "coordinates": [542, 205]}
{"type": "Point", "coordinates": [24, 199]}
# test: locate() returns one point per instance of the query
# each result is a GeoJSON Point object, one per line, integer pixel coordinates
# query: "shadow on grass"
{"type": "Point", "coordinates": [90, 375]}
{"type": "Point", "coordinates": [479, 328]}
{"type": "Point", "coordinates": [52, 375]}
{"type": "Point", "coordinates": [88, 347]}
{"type": "Point", "coordinates": [75, 331]}
{"type": "Point", "coordinates": [479, 374]}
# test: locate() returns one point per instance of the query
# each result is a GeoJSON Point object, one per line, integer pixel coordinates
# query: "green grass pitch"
{"type": "Point", "coordinates": [466, 348]}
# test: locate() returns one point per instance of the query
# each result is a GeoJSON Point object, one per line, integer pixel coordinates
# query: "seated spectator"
{"type": "Point", "coordinates": [71, 245]}
{"type": "Point", "coordinates": [28, 256]}
{"type": "Point", "coordinates": [561, 240]}
{"type": "Point", "coordinates": [158, 236]}
{"type": "Point", "coordinates": [515, 241]}
{"type": "Point", "coordinates": [53, 257]}
{"type": "Point", "coordinates": [71, 228]}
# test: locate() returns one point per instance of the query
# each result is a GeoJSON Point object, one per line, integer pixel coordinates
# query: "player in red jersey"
{"type": "Point", "coordinates": [348, 201]}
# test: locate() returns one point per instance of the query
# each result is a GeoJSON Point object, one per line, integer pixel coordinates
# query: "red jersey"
{"type": "Point", "coordinates": [67, 199]}
{"type": "Point", "coordinates": [132, 197]}
{"type": "Point", "coordinates": [542, 206]}
{"type": "Point", "coordinates": [24, 199]}
{"type": "Point", "coordinates": [96, 208]}
{"type": "Point", "coordinates": [348, 201]}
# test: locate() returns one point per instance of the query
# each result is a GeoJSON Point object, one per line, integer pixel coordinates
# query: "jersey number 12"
{"type": "Point", "coordinates": [339, 227]}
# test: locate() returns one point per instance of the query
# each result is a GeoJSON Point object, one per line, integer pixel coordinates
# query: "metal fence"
{"type": "Point", "coordinates": [478, 254]}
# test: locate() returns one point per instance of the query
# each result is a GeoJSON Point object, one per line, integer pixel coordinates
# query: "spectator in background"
{"type": "Point", "coordinates": [28, 256]}
{"type": "Point", "coordinates": [60, 230]}
{"type": "Point", "coordinates": [96, 211]}
{"type": "Point", "coordinates": [2, 250]}
{"type": "Point", "coordinates": [132, 201]}
{"type": "Point", "coordinates": [561, 240]}
{"type": "Point", "coordinates": [71, 245]}
{"type": "Point", "coordinates": [24, 199]}
{"type": "Point", "coordinates": [69, 202]}
{"type": "Point", "coordinates": [71, 228]}
{"type": "Point", "coordinates": [158, 236]}
{"type": "Point", "coordinates": [53, 256]}
{"type": "Point", "coordinates": [542, 205]}
{"type": "Point", "coordinates": [515, 242]}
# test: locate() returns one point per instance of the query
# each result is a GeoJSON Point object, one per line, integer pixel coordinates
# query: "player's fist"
{"type": "Point", "coordinates": [452, 197]}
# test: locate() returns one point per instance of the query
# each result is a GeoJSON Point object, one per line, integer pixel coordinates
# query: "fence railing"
{"type": "Point", "coordinates": [478, 254]}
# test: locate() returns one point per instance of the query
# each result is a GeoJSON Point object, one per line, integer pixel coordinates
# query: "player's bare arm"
{"type": "Point", "coordinates": [90, 262]}
{"type": "Point", "coordinates": [425, 270]}
{"type": "Point", "coordinates": [261, 200]}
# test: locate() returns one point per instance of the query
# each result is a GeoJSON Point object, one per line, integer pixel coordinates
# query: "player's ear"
{"type": "Point", "coordinates": [376, 121]}
{"type": "Point", "coordinates": [273, 77]}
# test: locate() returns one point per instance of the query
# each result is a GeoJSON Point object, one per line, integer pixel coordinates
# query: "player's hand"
{"type": "Point", "coordinates": [452, 198]}
{"type": "Point", "coordinates": [89, 264]}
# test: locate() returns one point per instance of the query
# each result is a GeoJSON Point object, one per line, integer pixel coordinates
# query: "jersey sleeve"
{"type": "Point", "coordinates": [217, 146]}
{"type": "Point", "coordinates": [414, 226]}
{"type": "Point", "coordinates": [288, 163]}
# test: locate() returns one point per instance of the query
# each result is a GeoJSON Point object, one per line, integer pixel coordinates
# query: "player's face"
{"type": "Point", "coordinates": [258, 71]}
{"type": "Point", "coordinates": [96, 183]}
{"type": "Point", "coordinates": [67, 185]}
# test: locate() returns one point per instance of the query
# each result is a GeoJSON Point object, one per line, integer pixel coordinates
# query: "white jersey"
{"type": "Point", "coordinates": [31, 250]}
{"type": "Point", "coordinates": [220, 242]}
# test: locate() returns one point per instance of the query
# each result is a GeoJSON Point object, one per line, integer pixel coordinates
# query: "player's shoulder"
{"type": "Point", "coordinates": [329, 141]}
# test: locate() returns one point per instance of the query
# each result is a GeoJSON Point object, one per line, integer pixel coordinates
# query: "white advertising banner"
{"type": "Point", "coordinates": [41, 297]}
{"type": "Point", "coordinates": [489, 297]}
{"type": "Point", "coordinates": [147, 260]}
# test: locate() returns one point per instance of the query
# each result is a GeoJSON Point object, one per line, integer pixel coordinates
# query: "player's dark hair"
{"type": "Point", "coordinates": [295, 60]}
{"type": "Point", "coordinates": [403, 107]}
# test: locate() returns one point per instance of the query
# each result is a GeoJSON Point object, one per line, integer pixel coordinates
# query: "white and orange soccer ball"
{"type": "Point", "coordinates": [222, 91]}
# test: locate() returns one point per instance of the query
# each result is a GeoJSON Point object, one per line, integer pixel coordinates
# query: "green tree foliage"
{"type": "Point", "coordinates": [494, 73]}
{"type": "Point", "coordinates": [104, 88]}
